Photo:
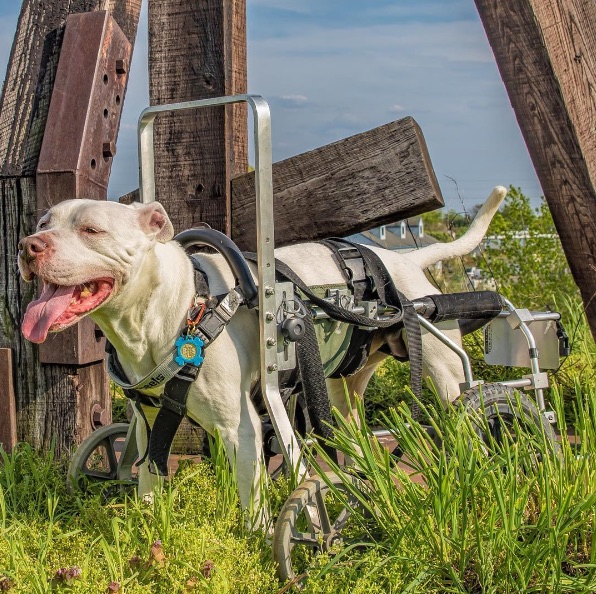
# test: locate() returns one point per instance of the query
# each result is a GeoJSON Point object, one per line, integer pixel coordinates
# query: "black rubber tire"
{"type": "Point", "coordinates": [288, 535]}
{"type": "Point", "coordinates": [500, 406]}
{"type": "Point", "coordinates": [116, 458]}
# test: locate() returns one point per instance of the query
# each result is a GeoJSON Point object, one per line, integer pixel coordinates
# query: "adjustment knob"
{"type": "Point", "coordinates": [293, 329]}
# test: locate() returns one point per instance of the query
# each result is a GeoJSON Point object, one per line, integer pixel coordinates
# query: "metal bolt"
{"type": "Point", "coordinates": [121, 66]}
{"type": "Point", "coordinates": [98, 414]}
{"type": "Point", "coordinates": [271, 368]}
{"type": "Point", "coordinates": [271, 342]}
{"type": "Point", "coordinates": [109, 149]}
{"type": "Point", "coordinates": [269, 291]}
{"type": "Point", "coordinates": [269, 316]}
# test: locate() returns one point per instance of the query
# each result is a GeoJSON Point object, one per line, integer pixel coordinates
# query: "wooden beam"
{"type": "Point", "coordinates": [546, 53]}
{"type": "Point", "coordinates": [358, 183]}
{"type": "Point", "coordinates": [8, 425]}
{"type": "Point", "coordinates": [198, 50]}
{"type": "Point", "coordinates": [53, 401]}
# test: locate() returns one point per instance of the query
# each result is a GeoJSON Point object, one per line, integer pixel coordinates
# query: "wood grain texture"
{"type": "Point", "coordinates": [53, 402]}
{"type": "Point", "coordinates": [358, 183]}
{"type": "Point", "coordinates": [8, 425]}
{"type": "Point", "coordinates": [545, 50]}
{"type": "Point", "coordinates": [198, 50]}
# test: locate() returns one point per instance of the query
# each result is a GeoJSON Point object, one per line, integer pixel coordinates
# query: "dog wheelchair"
{"type": "Point", "coordinates": [514, 337]}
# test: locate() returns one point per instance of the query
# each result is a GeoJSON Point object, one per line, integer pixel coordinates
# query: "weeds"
{"type": "Point", "coordinates": [510, 515]}
{"type": "Point", "coordinates": [483, 515]}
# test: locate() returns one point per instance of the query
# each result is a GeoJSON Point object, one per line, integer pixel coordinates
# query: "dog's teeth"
{"type": "Point", "coordinates": [88, 289]}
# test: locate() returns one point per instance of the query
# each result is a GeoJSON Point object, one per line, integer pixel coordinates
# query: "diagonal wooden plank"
{"type": "Point", "coordinates": [358, 183]}
{"type": "Point", "coordinates": [546, 53]}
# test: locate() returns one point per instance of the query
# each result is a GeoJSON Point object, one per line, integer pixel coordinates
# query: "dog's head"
{"type": "Point", "coordinates": [84, 252]}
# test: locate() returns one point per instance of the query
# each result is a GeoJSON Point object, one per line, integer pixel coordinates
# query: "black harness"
{"type": "Point", "coordinates": [172, 403]}
{"type": "Point", "coordinates": [367, 279]}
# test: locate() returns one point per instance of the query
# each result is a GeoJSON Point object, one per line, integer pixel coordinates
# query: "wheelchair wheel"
{"type": "Point", "coordinates": [498, 409]}
{"type": "Point", "coordinates": [314, 520]}
{"type": "Point", "coordinates": [106, 457]}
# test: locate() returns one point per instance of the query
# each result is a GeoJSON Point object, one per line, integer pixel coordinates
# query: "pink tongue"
{"type": "Point", "coordinates": [41, 314]}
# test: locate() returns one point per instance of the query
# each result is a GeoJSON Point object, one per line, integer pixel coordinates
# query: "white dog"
{"type": "Point", "coordinates": [117, 264]}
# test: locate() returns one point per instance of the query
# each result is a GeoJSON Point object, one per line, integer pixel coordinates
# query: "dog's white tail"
{"type": "Point", "coordinates": [432, 254]}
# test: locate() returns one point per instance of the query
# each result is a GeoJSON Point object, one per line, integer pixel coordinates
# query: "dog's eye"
{"type": "Point", "coordinates": [42, 224]}
{"type": "Point", "coordinates": [90, 230]}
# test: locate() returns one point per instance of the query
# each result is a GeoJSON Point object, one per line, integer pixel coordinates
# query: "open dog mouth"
{"type": "Point", "coordinates": [59, 307]}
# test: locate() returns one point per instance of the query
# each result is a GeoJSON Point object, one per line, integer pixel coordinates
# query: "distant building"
{"type": "Point", "coordinates": [403, 236]}
{"type": "Point", "coordinates": [494, 241]}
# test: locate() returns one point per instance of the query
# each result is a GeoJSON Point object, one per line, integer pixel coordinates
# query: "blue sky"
{"type": "Point", "coordinates": [333, 68]}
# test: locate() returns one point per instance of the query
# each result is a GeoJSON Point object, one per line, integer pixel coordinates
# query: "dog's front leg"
{"type": "Point", "coordinates": [147, 480]}
{"type": "Point", "coordinates": [244, 448]}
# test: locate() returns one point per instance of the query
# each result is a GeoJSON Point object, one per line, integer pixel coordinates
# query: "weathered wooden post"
{"type": "Point", "coordinates": [60, 391]}
{"type": "Point", "coordinates": [197, 50]}
{"type": "Point", "coordinates": [546, 53]}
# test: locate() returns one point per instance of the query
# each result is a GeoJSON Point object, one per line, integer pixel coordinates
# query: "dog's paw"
{"type": "Point", "coordinates": [147, 498]}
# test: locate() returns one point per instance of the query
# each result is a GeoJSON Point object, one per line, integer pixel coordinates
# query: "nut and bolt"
{"type": "Point", "coordinates": [271, 342]}
{"type": "Point", "coordinates": [269, 291]}
{"type": "Point", "coordinates": [121, 66]}
{"type": "Point", "coordinates": [269, 316]}
{"type": "Point", "coordinates": [272, 367]}
{"type": "Point", "coordinates": [109, 149]}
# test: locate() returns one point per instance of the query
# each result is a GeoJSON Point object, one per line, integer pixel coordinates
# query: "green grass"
{"type": "Point", "coordinates": [515, 516]}
{"type": "Point", "coordinates": [192, 538]}
{"type": "Point", "coordinates": [498, 517]}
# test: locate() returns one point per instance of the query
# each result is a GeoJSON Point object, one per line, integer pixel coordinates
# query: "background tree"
{"type": "Point", "coordinates": [523, 253]}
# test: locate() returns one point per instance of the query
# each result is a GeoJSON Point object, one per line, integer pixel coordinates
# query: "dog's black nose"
{"type": "Point", "coordinates": [31, 247]}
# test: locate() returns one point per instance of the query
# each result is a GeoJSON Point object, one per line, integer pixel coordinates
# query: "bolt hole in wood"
{"type": "Point", "coordinates": [105, 79]}
{"type": "Point", "coordinates": [117, 99]}
{"type": "Point", "coordinates": [105, 114]}
{"type": "Point", "coordinates": [200, 188]}
{"type": "Point", "coordinates": [93, 163]}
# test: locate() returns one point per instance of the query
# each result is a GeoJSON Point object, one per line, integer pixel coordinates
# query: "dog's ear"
{"type": "Point", "coordinates": [155, 221]}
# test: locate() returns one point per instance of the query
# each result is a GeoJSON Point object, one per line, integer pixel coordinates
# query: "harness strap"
{"type": "Point", "coordinates": [390, 295]}
{"type": "Point", "coordinates": [351, 264]}
{"type": "Point", "coordinates": [169, 417]}
{"type": "Point", "coordinates": [309, 362]}
{"type": "Point", "coordinates": [333, 311]}
{"type": "Point", "coordinates": [313, 383]}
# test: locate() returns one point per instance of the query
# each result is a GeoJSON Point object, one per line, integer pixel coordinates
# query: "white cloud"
{"type": "Point", "coordinates": [397, 108]}
{"type": "Point", "coordinates": [293, 100]}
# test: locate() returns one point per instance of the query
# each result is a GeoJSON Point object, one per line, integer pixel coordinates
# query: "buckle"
{"type": "Point", "coordinates": [349, 252]}
{"type": "Point", "coordinates": [188, 373]}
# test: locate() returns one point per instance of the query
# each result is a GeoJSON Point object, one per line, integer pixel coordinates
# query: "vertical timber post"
{"type": "Point", "coordinates": [52, 400]}
{"type": "Point", "coordinates": [197, 50]}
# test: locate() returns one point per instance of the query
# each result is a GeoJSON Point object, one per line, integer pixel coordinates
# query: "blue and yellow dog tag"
{"type": "Point", "coordinates": [189, 350]}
